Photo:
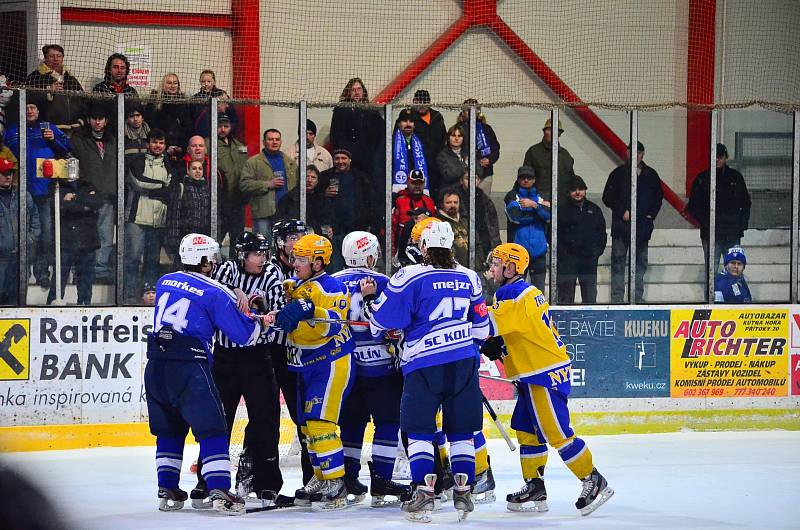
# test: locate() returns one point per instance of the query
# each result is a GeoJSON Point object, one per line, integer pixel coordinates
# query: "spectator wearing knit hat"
{"type": "Point", "coordinates": [316, 155]}
{"type": "Point", "coordinates": [730, 285]}
{"type": "Point", "coordinates": [540, 158]}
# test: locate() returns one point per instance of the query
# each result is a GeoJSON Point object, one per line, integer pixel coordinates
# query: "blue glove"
{"type": "Point", "coordinates": [290, 316]}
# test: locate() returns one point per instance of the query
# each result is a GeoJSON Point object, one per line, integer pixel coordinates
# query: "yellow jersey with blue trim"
{"type": "Point", "coordinates": [534, 352]}
{"type": "Point", "coordinates": [316, 342]}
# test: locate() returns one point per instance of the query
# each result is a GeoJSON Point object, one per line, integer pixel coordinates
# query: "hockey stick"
{"type": "Point", "coordinates": [497, 423]}
{"type": "Point", "coordinates": [338, 321]}
{"type": "Point", "coordinates": [499, 379]}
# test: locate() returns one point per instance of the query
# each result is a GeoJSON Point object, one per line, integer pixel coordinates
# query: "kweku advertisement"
{"type": "Point", "coordinates": [729, 352]}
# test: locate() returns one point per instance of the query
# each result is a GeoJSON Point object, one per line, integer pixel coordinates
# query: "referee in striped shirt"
{"type": "Point", "coordinates": [247, 370]}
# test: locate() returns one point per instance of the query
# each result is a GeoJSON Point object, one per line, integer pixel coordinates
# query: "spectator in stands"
{"type": "Point", "coordinates": [540, 158]}
{"type": "Point", "coordinates": [65, 111]}
{"type": "Point", "coordinates": [201, 118]}
{"type": "Point", "coordinates": [429, 127]}
{"type": "Point", "coordinates": [188, 207]}
{"type": "Point", "coordinates": [418, 214]}
{"type": "Point", "coordinates": [9, 233]}
{"type": "Point", "coordinates": [349, 191]}
{"type": "Point", "coordinates": [231, 157]}
{"type": "Point", "coordinates": [449, 212]}
{"type": "Point", "coordinates": [408, 153]}
{"type": "Point", "coordinates": [115, 77]}
{"type": "Point", "coordinates": [730, 286]}
{"type": "Point", "coordinates": [169, 111]}
{"type": "Point", "coordinates": [528, 217]}
{"type": "Point", "coordinates": [96, 148]}
{"type": "Point", "coordinates": [409, 198]}
{"type": "Point", "coordinates": [7, 154]}
{"type": "Point", "coordinates": [617, 196]}
{"type": "Point", "coordinates": [732, 206]}
{"type": "Point", "coordinates": [266, 178]}
{"type": "Point", "coordinates": [319, 213]}
{"type": "Point", "coordinates": [6, 97]}
{"type": "Point", "coordinates": [581, 241]}
{"type": "Point", "coordinates": [147, 178]}
{"type": "Point", "coordinates": [486, 145]}
{"type": "Point", "coordinates": [453, 160]}
{"type": "Point", "coordinates": [487, 228]}
{"type": "Point", "coordinates": [44, 141]}
{"type": "Point", "coordinates": [79, 240]}
{"type": "Point", "coordinates": [148, 295]}
{"type": "Point", "coordinates": [359, 129]}
{"type": "Point", "coordinates": [316, 155]}
{"type": "Point", "coordinates": [136, 130]}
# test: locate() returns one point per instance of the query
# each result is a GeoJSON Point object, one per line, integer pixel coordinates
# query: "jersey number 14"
{"type": "Point", "coordinates": [173, 314]}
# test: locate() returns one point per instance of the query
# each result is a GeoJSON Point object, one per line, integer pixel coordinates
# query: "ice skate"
{"type": "Point", "coordinates": [170, 500]}
{"type": "Point", "coordinates": [302, 496]}
{"type": "Point", "coordinates": [446, 483]}
{"type": "Point", "coordinates": [355, 488]}
{"type": "Point", "coordinates": [531, 498]}
{"type": "Point", "coordinates": [418, 509]}
{"type": "Point", "coordinates": [594, 494]}
{"type": "Point", "coordinates": [332, 495]}
{"type": "Point", "coordinates": [380, 488]}
{"type": "Point", "coordinates": [199, 496]}
{"type": "Point", "coordinates": [483, 491]}
{"type": "Point", "coordinates": [227, 502]}
{"type": "Point", "coordinates": [265, 498]}
{"type": "Point", "coordinates": [462, 496]}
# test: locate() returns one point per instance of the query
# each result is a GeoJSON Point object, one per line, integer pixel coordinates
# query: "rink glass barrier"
{"type": "Point", "coordinates": [760, 144]}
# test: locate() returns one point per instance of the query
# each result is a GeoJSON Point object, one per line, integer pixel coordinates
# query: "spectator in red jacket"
{"type": "Point", "coordinates": [410, 198]}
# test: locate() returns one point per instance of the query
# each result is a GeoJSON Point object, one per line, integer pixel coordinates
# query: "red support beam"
{"type": "Point", "coordinates": [699, 85]}
{"type": "Point", "coordinates": [246, 46]}
{"type": "Point", "coordinates": [131, 17]}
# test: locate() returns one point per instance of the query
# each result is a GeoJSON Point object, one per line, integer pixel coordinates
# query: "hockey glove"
{"type": "Point", "coordinates": [493, 348]}
{"type": "Point", "coordinates": [291, 315]}
{"type": "Point", "coordinates": [257, 304]}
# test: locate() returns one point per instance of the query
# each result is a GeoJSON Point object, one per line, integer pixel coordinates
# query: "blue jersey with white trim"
{"type": "Point", "coordinates": [441, 311]}
{"type": "Point", "coordinates": [371, 354]}
{"type": "Point", "coordinates": [197, 306]}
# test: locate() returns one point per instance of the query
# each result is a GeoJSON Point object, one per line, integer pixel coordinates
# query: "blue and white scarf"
{"type": "Point", "coordinates": [484, 149]}
{"type": "Point", "coordinates": [400, 162]}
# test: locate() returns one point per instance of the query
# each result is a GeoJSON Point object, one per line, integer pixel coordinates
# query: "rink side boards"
{"type": "Point", "coordinates": [72, 377]}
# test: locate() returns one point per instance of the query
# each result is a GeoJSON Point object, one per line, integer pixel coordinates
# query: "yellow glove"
{"type": "Point", "coordinates": [288, 287]}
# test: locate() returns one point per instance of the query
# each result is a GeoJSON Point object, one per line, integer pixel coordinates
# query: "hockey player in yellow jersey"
{"type": "Point", "coordinates": [321, 356]}
{"type": "Point", "coordinates": [526, 340]}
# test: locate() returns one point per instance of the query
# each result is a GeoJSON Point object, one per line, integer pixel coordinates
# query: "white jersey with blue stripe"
{"type": "Point", "coordinates": [371, 354]}
{"type": "Point", "coordinates": [441, 311]}
{"type": "Point", "coordinates": [197, 306]}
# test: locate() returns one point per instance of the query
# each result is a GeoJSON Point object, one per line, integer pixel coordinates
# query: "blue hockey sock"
{"type": "Point", "coordinates": [384, 450]}
{"type": "Point", "coordinates": [462, 455]}
{"type": "Point", "coordinates": [216, 462]}
{"type": "Point", "coordinates": [169, 457]}
{"type": "Point", "coordinates": [353, 440]}
{"type": "Point", "coordinates": [420, 456]}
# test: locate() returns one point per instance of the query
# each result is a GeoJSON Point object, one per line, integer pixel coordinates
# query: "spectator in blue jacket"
{"type": "Point", "coordinates": [9, 231]}
{"type": "Point", "coordinates": [617, 196]}
{"type": "Point", "coordinates": [528, 215]}
{"type": "Point", "coordinates": [44, 141]}
{"type": "Point", "coordinates": [730, 286]}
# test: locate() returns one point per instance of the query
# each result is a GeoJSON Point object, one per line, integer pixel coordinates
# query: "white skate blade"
{"type": "Point", "coordinates": [531, 506]}
{"type": "Point", "coordinates": [462, 515]}
{"type": "Point", "coordinates": [328, 506]}
{"type": "Point", "coordinates": [379, 501]}
{"type": "Point", "coordinates": [352, 500]}
{"type": "Point", "coordinates": [423, 516]}
{"type": "Point", "coordinates": [484, 498]}
{"type": "Point", "coordinates": [598, 502]}
{"type": "Point", "coordinates": [202, 504]}
{"type": "Point", "coordinates": [229, 508]}
{"type": "Point", "coordinates": [168, 505]}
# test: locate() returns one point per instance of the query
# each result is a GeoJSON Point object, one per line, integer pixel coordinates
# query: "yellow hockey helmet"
{"type": "Point", "coordinates": [314, 246]}
{"type": "Point", "coordinates": [420, 227]}
{"type": "Point", "coordinates": [512, 253]}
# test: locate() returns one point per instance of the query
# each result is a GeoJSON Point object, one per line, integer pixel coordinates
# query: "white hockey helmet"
{"type": "Point", "coordinates": [358, 246]}
{"type": "Point", "coordinates": [438, 235]}
{"type": "Point", "coordinates": [194, 247]}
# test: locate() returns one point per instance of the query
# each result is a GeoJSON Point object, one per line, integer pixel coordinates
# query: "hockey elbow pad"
{"type": "Point", "coordinates": [290, 316]}
{"type": "Point", "coordinates": [493, 348]}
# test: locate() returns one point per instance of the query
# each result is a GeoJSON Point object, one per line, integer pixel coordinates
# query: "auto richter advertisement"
{"type": "Point", "coordinates": [65, 366]}
{"type": "Point", "coordinates": [729, 353]}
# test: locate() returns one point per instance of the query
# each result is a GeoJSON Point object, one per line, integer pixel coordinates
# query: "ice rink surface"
{"type": "Point", "coordinates": [689, 480]}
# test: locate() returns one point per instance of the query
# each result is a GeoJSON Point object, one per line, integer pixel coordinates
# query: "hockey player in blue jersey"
{"type": "Point", "coordinates": [190, 308]}
{"type": "Point", "coordinates": [378, 385]}
{"type": "Point", "coordinates": [730, 287]}
{"type": "Point", "coordinates": [440, 308]}
{"type": "Point", "coordinates": [322, 358]}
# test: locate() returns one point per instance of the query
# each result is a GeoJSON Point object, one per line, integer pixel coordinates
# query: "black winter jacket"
{"type": "Point", "coordinates": [617, 196]}
{"type": "Point", "coordinates": [733, 203]}
{"type": "Point", "coordinates": [581, 229]}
